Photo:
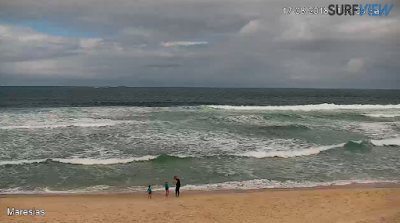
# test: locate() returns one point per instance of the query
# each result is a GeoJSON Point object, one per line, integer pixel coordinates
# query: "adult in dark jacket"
{"type": "Point", "coordinates": [177, 185]}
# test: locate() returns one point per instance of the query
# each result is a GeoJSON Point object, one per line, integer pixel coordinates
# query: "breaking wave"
{"type": "Point", "coordinates": [20, 162]}
{"type": "Point", "coordinates": [305, 107]}
{"type": "Point", "coordinates": [80, 161]}
{"type": "Point", "coordinates": [386, 142]}
{"type": "Point", "coordinates": [84, 161]}
{"type": "Point", "coordinates": [361, 145]}
{"type": "Point", "coordinates": [383, 115]}
{"type": "Point", "coordinates": [288, 154]}
{"type": "Point", "coordinates": [91, 161]}
{"type": "Point", "coordinates": [351, 145]}
{"type": "Point", "coordinates": [84, 123]}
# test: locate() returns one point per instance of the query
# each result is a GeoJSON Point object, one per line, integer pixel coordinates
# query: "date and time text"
{"type": "Point", "coordinates": [344, 9]}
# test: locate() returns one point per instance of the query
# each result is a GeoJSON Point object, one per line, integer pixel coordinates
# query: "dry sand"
{"type": "Point", "coordinates": [339, 205]}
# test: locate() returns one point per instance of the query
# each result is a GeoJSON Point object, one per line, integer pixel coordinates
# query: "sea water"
{"type": "Point", "coordinates": [117, 139]}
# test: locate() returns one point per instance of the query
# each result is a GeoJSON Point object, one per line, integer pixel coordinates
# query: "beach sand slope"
{"type": "Point", "coordinates": [343, 205]}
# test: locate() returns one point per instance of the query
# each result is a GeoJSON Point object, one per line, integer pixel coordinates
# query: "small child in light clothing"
{"type": "Point", "coordinates": [149, 192]}
{"type": "Point", "coordinates": [166, 189]}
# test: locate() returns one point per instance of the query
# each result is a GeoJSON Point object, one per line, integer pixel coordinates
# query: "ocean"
{"type": "Point", "coordinates": [120, 139]}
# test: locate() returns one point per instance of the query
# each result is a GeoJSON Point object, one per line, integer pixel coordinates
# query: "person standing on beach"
{"type": "Point", "coordinates": [177, 185]}
{"type": "Point", "coordinates": [166, 189]}
{"type": "Point", "coordinates": [149, 192]}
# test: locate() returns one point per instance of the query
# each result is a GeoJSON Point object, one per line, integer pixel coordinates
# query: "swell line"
{"type": "Point", "coordinates": [350, 145]}
{"type": "Point", "coordinates": [305, 107]}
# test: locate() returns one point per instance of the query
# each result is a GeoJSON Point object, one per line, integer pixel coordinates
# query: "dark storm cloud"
{"type": "Point", "coordinates": [172, 17]}
{"type": "Point", "coordinates": [226, 43]}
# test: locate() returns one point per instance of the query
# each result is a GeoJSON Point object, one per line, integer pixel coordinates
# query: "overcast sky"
{"type": "Point", "coordinates": [195, 43]}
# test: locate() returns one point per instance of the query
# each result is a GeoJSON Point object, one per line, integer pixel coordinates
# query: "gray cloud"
{"type": "Point", "coordinates": [221, 43]}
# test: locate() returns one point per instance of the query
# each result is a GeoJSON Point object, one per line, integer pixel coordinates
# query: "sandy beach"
{"type": "Point", "coordinates": [341, 204]}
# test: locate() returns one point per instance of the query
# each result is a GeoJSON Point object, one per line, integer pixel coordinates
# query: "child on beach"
{"type": "Point", "coordinates": [166, 189]}
{"type": "Point", "coordinates": [149, 191]}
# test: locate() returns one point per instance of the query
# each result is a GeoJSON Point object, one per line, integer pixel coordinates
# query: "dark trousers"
{"type": "Point", "coordinates": [177, 191]}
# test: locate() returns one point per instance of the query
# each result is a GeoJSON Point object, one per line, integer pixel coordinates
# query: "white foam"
{"type": "Point", "coordinates": [85, 161]}
{"type": "Point", "coordinates": [18, 190]}
{"type": "Point", "coordinates": [231, 185]}
{"type": "Point", "coordinates": [375, 130]}
{"type": "Point", "coordinates": [264, 184]}
{"type": "Point", "coordinates": [245, 119]}
{"type": "Point", "coordinates": [383, 115]}
{"type": "Point", "coordinates": [306, 107]}
{"type": "Point", "coordinates": [290, 153]}
{"type": "Point", "coordinates": [85, 123]}
{"type": "Point", "coordinates": [18, 162]}
{"type": "Point", "coordinates": [386, 142]}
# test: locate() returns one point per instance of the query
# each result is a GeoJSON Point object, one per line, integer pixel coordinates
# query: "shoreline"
{"type": "Point", "coordinates": [223, 191]}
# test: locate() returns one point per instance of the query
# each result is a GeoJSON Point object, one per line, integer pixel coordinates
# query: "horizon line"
{"type": "Point", "coordinates": [104, 86]}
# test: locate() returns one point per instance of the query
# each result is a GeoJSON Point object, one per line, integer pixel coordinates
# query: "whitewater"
{"type": "Point", "coordinates": [253, 154]}
{"type": "Point", "coordinates": [238, 139]}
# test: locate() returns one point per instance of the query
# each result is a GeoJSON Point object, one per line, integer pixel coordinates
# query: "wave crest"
{"type": "Point", "coordinates": [351, 145]}
{"type": "Point", "coordinates": [82, 123]}
{"type": "Point", "coordinates": [383, 115]}
{"type": "Point", "coordinates": [86, 161]}
{"type": "Point", "coordinates": [362, 145]}
{"type": "Point", "coordinates": [289, 154]}
{"type": "Point", "coordinates": [80, 161]}
{"type": "Point", "coordinates": [386, 142]}
{"type": "Point", "coordinates": [91, 161]}
{"type": "Point", "coordinates": [305, 107]}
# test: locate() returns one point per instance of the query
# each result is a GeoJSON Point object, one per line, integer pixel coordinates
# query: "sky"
{"type": "Point", "coordinates": [196, 43]}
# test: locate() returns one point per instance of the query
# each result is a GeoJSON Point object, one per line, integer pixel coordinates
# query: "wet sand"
{"type": "Point", "coordinates": [356, 204]}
